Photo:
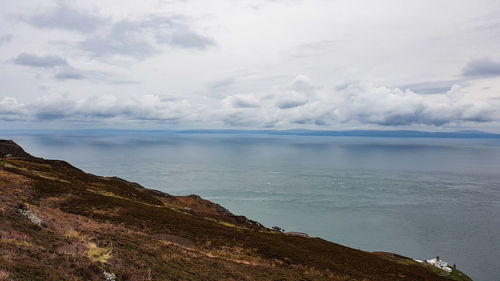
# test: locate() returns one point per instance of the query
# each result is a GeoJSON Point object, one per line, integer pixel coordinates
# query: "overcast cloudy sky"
{"type": "Point", "coordinates": [167, 64]}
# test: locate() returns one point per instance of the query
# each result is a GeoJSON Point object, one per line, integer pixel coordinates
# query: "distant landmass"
{"type": "Point", "coordinates": [291, 132]}
{"type": "Point", "coordinates": [353, 133]}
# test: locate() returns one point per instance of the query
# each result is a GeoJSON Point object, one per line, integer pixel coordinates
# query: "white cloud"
{"type": "Point", "coordinates": [355, 104]}
{"type": "Point", "coordinates": [11, 109]}
{"type": "Point", "coordinates": [96, 109]}
{"type": "Point", "coordinates": [362, 103]}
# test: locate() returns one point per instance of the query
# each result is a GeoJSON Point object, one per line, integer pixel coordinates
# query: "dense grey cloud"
{"type": "Point", "coordinates": [32, 60]}
{"type": "Point", "coordinates": [59, 65]}
{"type": "Point", "coordinates": [241, 101]}
{"type": "Point", "coordinates": [482, 68]}
{"type": "Point", "coordinates": [65, 16]}
{"type": "Point", "coordinates": [182, 36]}
{"type": "Point", "coordinates": [123, 38]}
{"type": "Point", "coordinates": [69, 73]}
{"type": "Point", "coordinates": [61, 70]}
{"type": "Point", "coordinates": [140, 38]}
{"type": "Point", "coordinates": [290, 103]}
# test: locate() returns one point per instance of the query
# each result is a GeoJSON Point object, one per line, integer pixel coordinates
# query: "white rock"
{"type": "Point", "coordinates": [109, 276]}
{"type": "Point", "coordinates": [31, 216]}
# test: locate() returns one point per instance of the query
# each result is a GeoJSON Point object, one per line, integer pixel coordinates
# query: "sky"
{"type": "Point", "coordinates": [238, 64]}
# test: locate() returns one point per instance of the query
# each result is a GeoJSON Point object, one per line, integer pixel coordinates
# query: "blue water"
{"type": "Point", "coordinates": [414, 196]}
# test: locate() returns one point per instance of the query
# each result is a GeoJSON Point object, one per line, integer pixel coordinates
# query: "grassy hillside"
{"type": "Point", "coordinates": [60, 223]}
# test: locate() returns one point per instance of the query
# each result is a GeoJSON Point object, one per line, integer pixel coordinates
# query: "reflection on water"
{"type": "Point", "coordinates": [414, 196]}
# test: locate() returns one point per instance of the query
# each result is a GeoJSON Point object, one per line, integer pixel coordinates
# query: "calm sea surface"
{"type": "Point", "coordinates": [418, 197]}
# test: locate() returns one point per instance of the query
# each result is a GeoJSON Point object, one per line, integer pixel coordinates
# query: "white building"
{"type": "Point", "coordinates": [439, 264]}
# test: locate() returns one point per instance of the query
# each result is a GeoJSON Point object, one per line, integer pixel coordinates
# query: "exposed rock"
{"type": "Point", "coordinates": [109, 276]}
{"type": "Point", "coordinates": [27, 213]}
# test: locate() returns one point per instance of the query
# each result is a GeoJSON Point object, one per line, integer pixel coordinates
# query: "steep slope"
{"type": "Point", "coordinates": [60, 223]}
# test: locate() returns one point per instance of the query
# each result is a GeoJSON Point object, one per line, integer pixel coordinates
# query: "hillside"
{"type": "Point", "coordinates": [59, 223]}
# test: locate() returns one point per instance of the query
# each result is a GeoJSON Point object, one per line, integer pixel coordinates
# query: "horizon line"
{"type": "Point", "coordinates": [295, 132]}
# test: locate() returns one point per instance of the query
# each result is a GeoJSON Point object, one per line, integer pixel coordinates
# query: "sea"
{"type": "Point", "coordinates": [415, 196]}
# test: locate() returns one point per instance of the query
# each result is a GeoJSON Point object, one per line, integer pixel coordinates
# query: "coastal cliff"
{"type": "Point", "coordinates": [59, 223]}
